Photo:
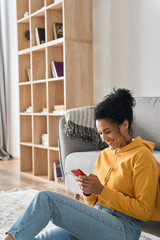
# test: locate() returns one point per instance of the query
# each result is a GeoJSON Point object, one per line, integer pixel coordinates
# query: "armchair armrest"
{"type": "Point", "coordinates": [69, 145]}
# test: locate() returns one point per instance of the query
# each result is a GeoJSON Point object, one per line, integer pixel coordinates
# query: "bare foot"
{"type": "Point", "coordinates": [9, 237]}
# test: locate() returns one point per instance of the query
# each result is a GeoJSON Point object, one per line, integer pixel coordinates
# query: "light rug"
{"type": "Point", "coordinates": [13, 203]}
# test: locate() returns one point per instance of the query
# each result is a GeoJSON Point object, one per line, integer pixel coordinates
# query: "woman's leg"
{"type": "Point", "coordinates": [82, 221]}
{"type": "Point", "coordinates": [55, 233]}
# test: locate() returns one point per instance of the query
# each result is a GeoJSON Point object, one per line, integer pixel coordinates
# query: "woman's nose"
{"type": "Point", "coordinates": [103, 137]}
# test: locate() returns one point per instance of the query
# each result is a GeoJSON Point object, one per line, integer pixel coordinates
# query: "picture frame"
{"type": "Point", "coordinates": [57, 30]}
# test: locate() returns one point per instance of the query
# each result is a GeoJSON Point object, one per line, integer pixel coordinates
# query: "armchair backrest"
{"type": "Point", "coordinates": [146, 119]}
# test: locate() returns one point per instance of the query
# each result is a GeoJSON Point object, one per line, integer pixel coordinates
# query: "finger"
{"type": "Point", "coordinates": [82, 177]}
{"type": "Point", "coordinates": [77, 179]}
{"type": "Point", "coordinates": [91, 175]}
{"type": "Point", "coordinates": [79, 184]}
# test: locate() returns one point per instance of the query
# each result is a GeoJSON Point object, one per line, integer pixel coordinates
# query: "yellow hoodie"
{"type": "Point", "coordinates": [130, 178]}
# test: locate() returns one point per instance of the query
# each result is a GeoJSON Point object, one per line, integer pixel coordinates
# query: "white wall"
{"type": "Point", "coordinates": [101, 48]}
{"type": "Point", "coordinates": [133, 46]}
{"type": "Point", "coordinates": [126, 52]}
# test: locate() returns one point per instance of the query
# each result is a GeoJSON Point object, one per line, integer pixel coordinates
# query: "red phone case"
{"type": "Point", "coordinates": [78, 172]}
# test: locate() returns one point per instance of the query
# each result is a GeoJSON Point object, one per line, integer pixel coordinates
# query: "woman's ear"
{"type": "Point", "coordinates": [125, 124]}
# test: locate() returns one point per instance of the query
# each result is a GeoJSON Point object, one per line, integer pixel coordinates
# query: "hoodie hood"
{"type": "Point", "coordinates": [138, 142]}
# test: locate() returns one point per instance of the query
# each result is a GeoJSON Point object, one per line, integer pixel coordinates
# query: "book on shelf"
{"type": "Point", "coordinates": [44, 139]}
{"type": "Point", "coordinates": [57, 172]}
{"type": "Point", "coordinates": [57, 69]}
{"type": "Point", "coordinates": [53, 70]}
{"type": "Point", "coordinates": [57, 30]}
{"type": "Point", "coordinates": [29, 74]}
{"type": "Point", "coordinates": [39, 35]}
{"type": "Point", "coordinates": [59, 107]}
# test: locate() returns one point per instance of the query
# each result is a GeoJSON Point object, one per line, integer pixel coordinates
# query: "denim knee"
{"type": "Point", "coordinates": [42, 195]}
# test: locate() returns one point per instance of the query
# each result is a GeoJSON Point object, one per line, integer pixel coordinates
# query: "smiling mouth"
{"type": "Point", "coordinates": [110, 142]}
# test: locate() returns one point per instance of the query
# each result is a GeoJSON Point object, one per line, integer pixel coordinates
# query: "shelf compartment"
{"type": "Point", "coordinates": [38, 64]}
{"type": "Point", "coordinates": [24, 20]}
{"type": "Point", "coordinates": [26, 158]}
{"type": "Point", "coordinates": [39, 97]}
{"type": "Point", "coordinates": [55, 5]}
{"type": "Point", "coordinates": [25, 128]}
{"type": "Point", "coordinates": [36, 5]}
{"type": "Point", "coordinates": [22, 7]}
{"type": "Point", "coordinates": [53, 16]}
{"type": "Point", "coordinates": [40, 127]}
{"type": "Point", "coordinates": [49, 2]}
{"type": "Point", "coordinates": [40, 162]}
{"type": "Point", "coordinates": [53, 134]}
{"type": "Point", "coordinates": [25, 97]}
{"type": "Point", "coordinates": [53, 157]}
{"type": "Point", "coordinates": [24, 62]}
{"type": "Point", "coordinates": [55, 94]}
{"type": "Point", "coordinates": [23, 42]}
{"type": "Point", "coordinates": [37, 22]}
{"type": "Point", "coordinates": [54, 54]}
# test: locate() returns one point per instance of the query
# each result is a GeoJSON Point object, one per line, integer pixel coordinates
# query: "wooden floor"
{"type": "Point", "coordinates": [12, 178]}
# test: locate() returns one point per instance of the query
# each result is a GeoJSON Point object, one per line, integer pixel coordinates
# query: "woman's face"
{"type": "Point", "coordinates": [116, 136]}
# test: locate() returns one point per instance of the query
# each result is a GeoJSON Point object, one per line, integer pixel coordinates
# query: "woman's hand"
{"type": "Point", "coordinates": [90, 184]}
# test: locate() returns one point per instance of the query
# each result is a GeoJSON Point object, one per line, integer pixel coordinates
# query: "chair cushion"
{"type": "Point", "coordinates": [82, 160]}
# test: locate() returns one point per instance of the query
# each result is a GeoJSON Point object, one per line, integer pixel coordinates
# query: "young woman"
{"type": "Point", "coordinates": [121, 194]}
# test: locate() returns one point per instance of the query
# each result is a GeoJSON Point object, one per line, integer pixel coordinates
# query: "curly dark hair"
{"type": "Point", "coordinates": [116, 107]}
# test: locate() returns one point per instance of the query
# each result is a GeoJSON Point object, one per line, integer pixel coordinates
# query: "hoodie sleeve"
{"type": "Point", "coordinates": [90, 200]}
{"type": "Point", "coordinates": [145, 184]}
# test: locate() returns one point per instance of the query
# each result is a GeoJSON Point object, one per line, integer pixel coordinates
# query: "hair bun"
{"type": "Point", "coordinates": [122, 94]}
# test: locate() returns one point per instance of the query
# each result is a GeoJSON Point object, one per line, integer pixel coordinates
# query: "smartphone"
{"type": "Point", "coordinates": [78, 172]}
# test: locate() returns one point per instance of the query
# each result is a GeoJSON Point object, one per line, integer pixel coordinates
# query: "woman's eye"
{"type": "Point", "coordinates": [108, 132]}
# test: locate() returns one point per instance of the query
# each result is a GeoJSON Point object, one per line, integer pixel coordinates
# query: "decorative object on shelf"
{"type": "Point", "coordinates": [57, 172]}
{"type": "Point", "coordinates": [44, 139]}
{"type": "Point", "coordinates": [26, 14]}
{"type": "Point", "coordinates": [57, 30]}
{"type": "Point", "coordinates": [57, 69]}
{"type": "Point", "coordinates": [39, 35]}
{"type": "Point", "coordinates": [27, 35]}
{"type": "Point", "coordinates": [44, 110]}
{"type": "Point", "coordinates": [29, 74]}
{"type": "Point", "coordinates": [28, 110]}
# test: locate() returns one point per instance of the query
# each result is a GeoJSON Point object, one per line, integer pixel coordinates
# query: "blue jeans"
{"type": "Point", "coordinates": [75, 220]}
